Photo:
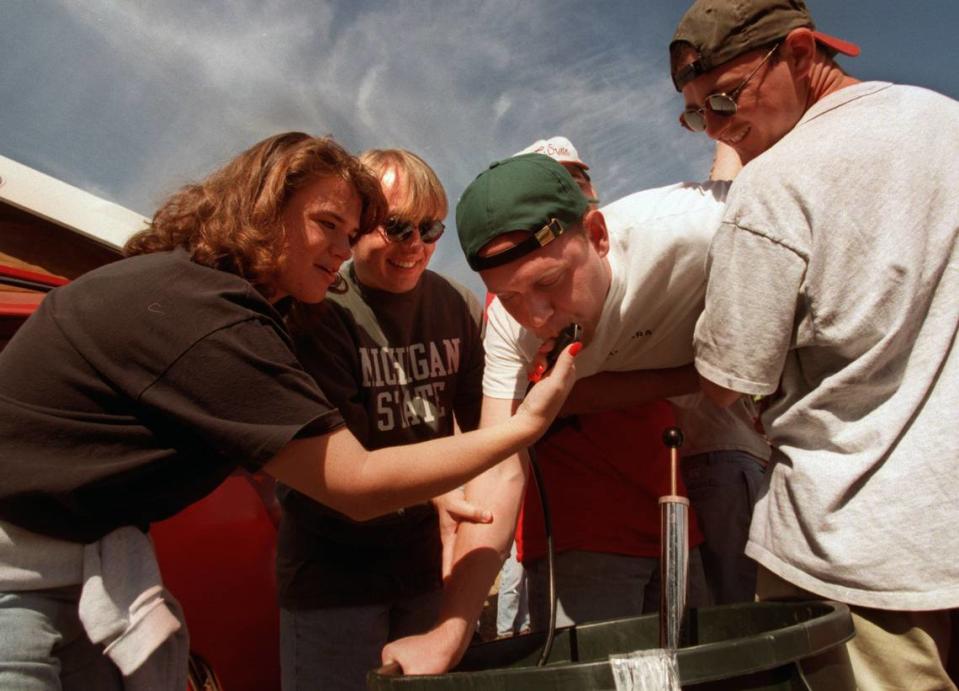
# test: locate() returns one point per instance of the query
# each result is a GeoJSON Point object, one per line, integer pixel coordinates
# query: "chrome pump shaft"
{"type": "Point", "coordinates": [674, 550]}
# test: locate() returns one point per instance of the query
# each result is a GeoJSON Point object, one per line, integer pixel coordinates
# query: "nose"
{"type": "Point", "coordinates": [716, 124]}
{"type": "Point", "coordinates": [341, 246]}
{"type": "Point", "coordinates": [538, 310]}
{"type": "Point", "coordinates": [413, 238]}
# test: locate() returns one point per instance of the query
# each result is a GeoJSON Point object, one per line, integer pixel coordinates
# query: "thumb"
{"type": "Point", "coordinates": [390, 667]}
{"type": "Point", "coordinates": [464, 511]}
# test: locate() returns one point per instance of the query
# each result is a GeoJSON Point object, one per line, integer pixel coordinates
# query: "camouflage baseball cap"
{"type": "Point", "coordinates": [721, 30]}
{"type": "Point", "coordinates": [529, 192]}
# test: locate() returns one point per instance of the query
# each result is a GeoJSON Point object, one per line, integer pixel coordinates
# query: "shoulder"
{"type": "Point", "coordinates": [681, 200]}
{"type": "Point", "coordinates": [305, 319]}
{"type": "Point", "coordinates": [435, 282]}
{"type": "Point", "coordinates": [436, 285]}
{"type": "Point", "coordinates": [902, 93]}
{"type": "Point", "coordinates": [170, 275]}
{"type": "Point", "coordinates": [159, 296]}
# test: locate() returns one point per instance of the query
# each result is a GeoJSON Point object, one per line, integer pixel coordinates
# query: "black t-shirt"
{"type": "Point", "coordinates": [136, 389]}
{"type": "Point", "coordinates": [398, 366]}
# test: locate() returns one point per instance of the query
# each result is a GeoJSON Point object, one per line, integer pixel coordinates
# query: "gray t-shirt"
{"type": "Point", "coordinates": [834, 285]}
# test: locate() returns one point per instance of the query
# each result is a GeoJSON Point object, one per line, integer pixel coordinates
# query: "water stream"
{"type": "Point", "coordinates": [646, 670]}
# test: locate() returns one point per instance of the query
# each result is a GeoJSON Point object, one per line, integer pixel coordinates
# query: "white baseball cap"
{"type": "Point", "coordinates": [558, 148]}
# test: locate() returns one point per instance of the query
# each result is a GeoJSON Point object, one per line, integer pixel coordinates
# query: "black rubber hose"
{"type": "Point", "coordinates": [572, 333]}
{"type": "Point", "coordinates": [550, 570]}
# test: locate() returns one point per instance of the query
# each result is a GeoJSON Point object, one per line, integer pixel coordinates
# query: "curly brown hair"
{"type": "Point", "coordinates": [231, 220]}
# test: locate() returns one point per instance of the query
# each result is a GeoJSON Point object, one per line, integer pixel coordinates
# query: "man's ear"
{"type": "Point", "coordinates": [800, 51]}
{"type": "Point", "coordinates": [595, 224]}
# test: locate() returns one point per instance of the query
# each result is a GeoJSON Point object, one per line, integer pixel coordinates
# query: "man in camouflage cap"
{"type": "Point", "coordinates": [833, 285]}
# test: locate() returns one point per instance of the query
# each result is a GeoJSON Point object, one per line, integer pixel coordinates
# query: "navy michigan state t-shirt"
{"type": "Point", "coordinates": [136, 389]}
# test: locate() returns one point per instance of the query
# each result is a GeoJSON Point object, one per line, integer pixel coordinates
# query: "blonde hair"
{"type": "Point", "coordinates": [423, 195]}
{"type": "Point", "coordinates": [231, 220]}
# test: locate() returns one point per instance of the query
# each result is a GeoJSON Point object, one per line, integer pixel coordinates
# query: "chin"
{"type": "Point", "coordinates": [311, 296]}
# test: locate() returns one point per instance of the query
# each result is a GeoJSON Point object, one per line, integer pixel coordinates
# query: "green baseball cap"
{"type": "Point", "coordinates": [531, 193]}
{"type": "Point", "coordinates": [721, 30]}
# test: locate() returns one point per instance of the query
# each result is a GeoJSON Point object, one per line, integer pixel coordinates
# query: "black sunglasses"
{"type": "Point", "coordinates": [723, 104]}
{"type": "Point", "coordinates": [398, 230]}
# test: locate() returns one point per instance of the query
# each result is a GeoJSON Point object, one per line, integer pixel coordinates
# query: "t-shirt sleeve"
{"type": "Point", "coordinates": [241, 392]}
{"type": "Point", "coordinates": [746, 329]}
{"type": "Point", "coordinates": [469, 388]}
{"type": "Point", "coordinates": [326, 343]}
{"type": "Point", "coordinates": [509, 350]}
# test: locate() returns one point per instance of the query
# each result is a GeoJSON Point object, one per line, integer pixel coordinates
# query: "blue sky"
{"type": "Point", "coordinates": [131, 99]}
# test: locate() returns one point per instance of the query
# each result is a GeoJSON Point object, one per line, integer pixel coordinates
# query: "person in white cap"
{"type": "Point", "coordinates": [834, 292]}
{"type": "Point", "coordinates": [562, 150]}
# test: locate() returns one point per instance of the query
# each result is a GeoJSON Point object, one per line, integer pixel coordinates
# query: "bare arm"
{"type": "Point", "coordinates": [336, 470]}
{"type": "Point", "coordinates": [616, 390]}
{"type": "Point", "coordinates": [719, 395]}
{"type": "Point", "coordinates": [726, 163]}
{"type": "Point", "coordinates": [480, 550]}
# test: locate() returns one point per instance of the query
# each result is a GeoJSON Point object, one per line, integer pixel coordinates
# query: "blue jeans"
{"type": "Point", "coordinates": [722, 488]}
{"type": "Point", "coordinates": [596, 586]}
{"type": "Point", "coordinates": [43, 646]}
{"type": "Point", "coordinates": [332, 649]}
{"type": "Point", "coordinates": [512, 602]}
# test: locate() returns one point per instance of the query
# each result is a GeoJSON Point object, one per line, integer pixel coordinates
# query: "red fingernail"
{"type": "Point", "coordinates": [575, 348]}
{"type": "Point", "coordinates": [535, 375]}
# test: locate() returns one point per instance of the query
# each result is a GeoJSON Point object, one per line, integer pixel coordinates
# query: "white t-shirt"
{"type": "Point", "coordinates": [835, 276]}
{"type": "Point", "coordinates": [658, 243]}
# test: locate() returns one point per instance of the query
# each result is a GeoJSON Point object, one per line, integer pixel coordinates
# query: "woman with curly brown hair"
{"type": "Point", "coordinates": [136, 389]}
{"type": "Point", "coordinates": [409, 348]}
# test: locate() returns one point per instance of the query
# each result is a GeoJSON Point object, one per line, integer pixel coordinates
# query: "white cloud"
{"type": "Point", "coordinates": [461, 83]}
{"type": "Point", "coordinates": [501, 107]}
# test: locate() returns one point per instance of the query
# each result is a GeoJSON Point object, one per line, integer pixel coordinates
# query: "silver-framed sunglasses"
{"type": "Point", "coordinates": [722, 103]}
{"type": "Point", "coordinates": [400, 230]}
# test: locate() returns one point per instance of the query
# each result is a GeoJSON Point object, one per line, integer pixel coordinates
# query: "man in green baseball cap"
{"type": "Point", "coordinates": [832, 290]}
{"type": "Point", "coordinates": [632, 276]}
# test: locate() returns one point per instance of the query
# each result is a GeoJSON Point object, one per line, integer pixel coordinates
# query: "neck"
{"type": "Point", "coordinates": [826, 77]}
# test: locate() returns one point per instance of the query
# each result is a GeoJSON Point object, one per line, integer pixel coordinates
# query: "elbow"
{"type": "Point", "coordinates": [719, 395]}
{"type": "Point", "coordinates": [355, 512]}
{"type": "Point", "coordinates": [357, 507]}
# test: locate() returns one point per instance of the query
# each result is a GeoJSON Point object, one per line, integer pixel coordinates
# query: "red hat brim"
{"type": "Point", "coordinates": [837, 44]}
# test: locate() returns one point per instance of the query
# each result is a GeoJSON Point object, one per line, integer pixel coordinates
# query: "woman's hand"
{"type": "Point", "coordinates": [543, 401]}
{"type": "Point", "coordinates": [537, 368]}
{"type": "Point", "coordinates": [453, 509]}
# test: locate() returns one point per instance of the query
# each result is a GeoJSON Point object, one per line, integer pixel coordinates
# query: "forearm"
{"type": "Point", "coordinates": [479, 554]}
{"type": "Point", "coordinates": [719, 395]}
{"type": "Point", "coordinates": [365, 484]}
{"type": "Point", "coordinates": [615, 390]}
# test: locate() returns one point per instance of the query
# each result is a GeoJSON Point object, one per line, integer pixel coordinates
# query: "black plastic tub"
{"type": "Point", "coordinates": [744, 646]}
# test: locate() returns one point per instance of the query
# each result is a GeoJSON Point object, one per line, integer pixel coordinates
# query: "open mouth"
{"type": "Point", "coordinates": [404, 263]}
